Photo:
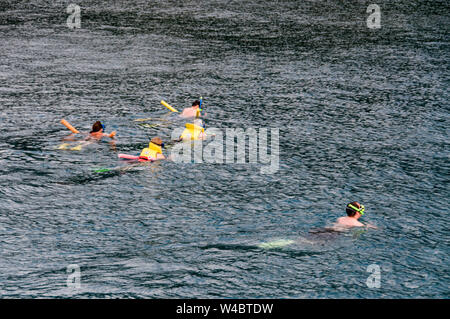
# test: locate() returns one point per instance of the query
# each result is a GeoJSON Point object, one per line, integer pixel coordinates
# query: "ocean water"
{"type": "Point", "coordinates": [362, 115]}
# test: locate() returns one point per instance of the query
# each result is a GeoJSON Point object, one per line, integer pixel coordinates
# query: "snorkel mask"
{"type": "Point", "coordinates": [359, 210]}
{"type": "Point", "coordinates": [103, 127]}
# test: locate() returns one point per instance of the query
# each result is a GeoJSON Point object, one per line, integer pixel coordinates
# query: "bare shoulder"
{"type": "Point", "coordinates": [349, 222]}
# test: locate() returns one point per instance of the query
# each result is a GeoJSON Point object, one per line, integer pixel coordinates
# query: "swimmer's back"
{"type": "Point", "coordinates": [349, 222]}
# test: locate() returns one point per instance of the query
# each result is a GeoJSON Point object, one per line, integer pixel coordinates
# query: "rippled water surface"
{"type": "Point", "coordinates": [363, 115]}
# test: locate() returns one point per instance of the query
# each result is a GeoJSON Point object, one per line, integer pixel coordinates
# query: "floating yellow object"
{"type": "Point", "coordinates": [151, 152]}
{"type": "Point", "coordinates": [66, 146]}
{"type": "Point", "coordinates": [70, 127]}
{"type": "Point", "coordinates": [168, 106]}
{"type": "Point", "coordinates": [143, 120]}
{"type": "Point", "coordinates": [192, 132]}
{"type": "Point", "coordinates": [276, 244]}
{"type": "Point", "coordinates": [63, 146]}
{"type": "Point", "coordinates": [77, 148]}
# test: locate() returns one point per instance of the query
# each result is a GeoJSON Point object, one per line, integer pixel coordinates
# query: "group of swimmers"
{"type": "Point", "coordinates": [193, 131]}
{"type": "Point", "coordinates": [196, 131]}
{"type": "Point", "coordinates": [154, 151]}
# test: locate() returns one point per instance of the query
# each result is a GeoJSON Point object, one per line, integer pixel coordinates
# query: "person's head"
{"type": "Point", "coordinates": [98, 127]}
{"type": "Point", "coordinates": [157, 141]}
{"type": "Point", "coordinates": [354, 209]}
{"type": "Point", "coordinates": [196, 103]}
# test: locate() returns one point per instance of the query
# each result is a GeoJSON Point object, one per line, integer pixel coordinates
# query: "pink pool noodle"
{"type": "Point", "coordinates": [126, 156]}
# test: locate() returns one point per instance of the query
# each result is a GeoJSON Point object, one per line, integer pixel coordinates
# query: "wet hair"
{"type": "Point", "coordinates": [157, 140]}
{"type": "Point", "coordinates": [350, 211]}
{"type": "Point", "coordinates": [96, 127]}
{"type": "Point", "coordinates": [196, 102]}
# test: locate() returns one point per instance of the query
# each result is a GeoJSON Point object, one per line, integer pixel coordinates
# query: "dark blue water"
{"type": "Point", "coordinates": [363, 115]}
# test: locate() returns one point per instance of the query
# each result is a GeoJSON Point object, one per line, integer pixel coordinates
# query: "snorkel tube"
{"type": "Point", "coordinates": [201, 110]}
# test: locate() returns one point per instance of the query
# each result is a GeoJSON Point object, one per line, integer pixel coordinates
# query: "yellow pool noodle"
{"type": "Point", "coordinates": [168, 106]}
{"type": "Point", "coordinates": [77, 148]}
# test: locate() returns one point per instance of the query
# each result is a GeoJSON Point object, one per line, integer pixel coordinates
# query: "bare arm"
{"type": "Point", "coordinates": [71, 137]}
{"type": "Point", "coordinates": [371, 226]}
{"type": "Point", "coordinates": [110, 135]}
{"type": "Point", "coordinates": [160, 156]}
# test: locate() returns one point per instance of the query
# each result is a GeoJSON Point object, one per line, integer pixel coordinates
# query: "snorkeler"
{"type": "Point", "coordinates": [154, 150]}
{"type": "Point", "coordinates": [98, 130]}
{"type": "Point", "coordinates": [96, 134]}
{"type": "Point", "coordinates": [149, 154]}
{"type": "Point", "coordinates": [354, 211]}
{"type": "Point", "coordinates": [193, 111]}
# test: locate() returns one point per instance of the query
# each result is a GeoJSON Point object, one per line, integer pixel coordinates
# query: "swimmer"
{"type": "Point", "coordinates": [154, 150]}
{"type": "Point", "coordinates": [98, 130]}
{"type": "Point", "coordinates": [193, 111]}
{"type": "Point", "coordinates": [354, 211]}
{"type": "Point", "coordinates": [95, 135]}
